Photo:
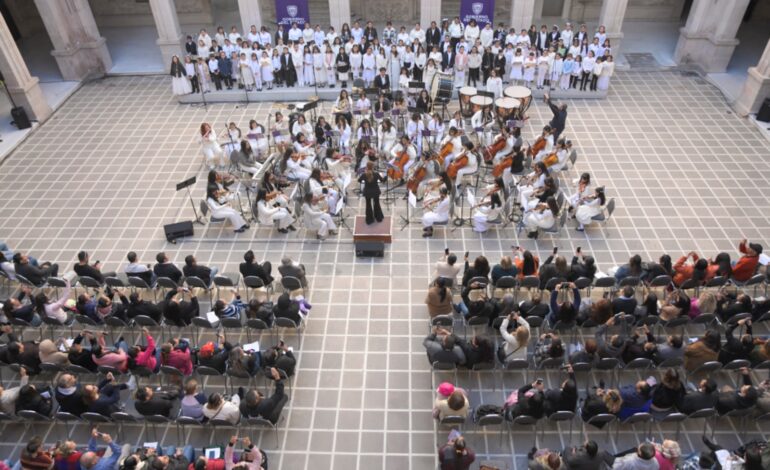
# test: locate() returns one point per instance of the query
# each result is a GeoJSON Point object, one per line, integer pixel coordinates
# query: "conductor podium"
{"type": "Point", "coordinates": [370, 240]}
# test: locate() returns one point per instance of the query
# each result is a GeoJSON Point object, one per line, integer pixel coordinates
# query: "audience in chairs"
{"type": "Point", "coordinates": [165, 268]}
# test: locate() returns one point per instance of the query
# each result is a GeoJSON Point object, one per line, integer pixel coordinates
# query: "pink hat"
{"type": "Point", "coordinates": [446, 389]}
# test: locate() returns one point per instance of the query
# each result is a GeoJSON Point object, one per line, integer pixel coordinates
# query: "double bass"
{"type": "Point", "coordinates": [490, 151]}
{"type": "Point", "coordinates": [457, 164]}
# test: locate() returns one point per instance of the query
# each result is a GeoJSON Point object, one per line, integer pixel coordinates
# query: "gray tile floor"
{"type": "Point", "coordinates": [100, 175]}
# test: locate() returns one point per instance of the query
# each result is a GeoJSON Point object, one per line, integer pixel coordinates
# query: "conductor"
{"type": "Point", "coordinates": [371, 180]}
{"type": "Point", "coordinates": [559, 120]}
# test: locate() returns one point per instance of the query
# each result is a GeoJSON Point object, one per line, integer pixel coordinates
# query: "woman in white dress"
{"type": "Point", "coordinates": [217, 201]}
{"type": "Point", "coordinates": [319, 189]}
{"type": "Point", "coordinates": [584, 190]}
{"type": "Point", "coordinates": [436, 128]}
{"type": "Point", "coordinates": [233, 138]}
{"type": "Point", "coordinates": [420, 59]}
{"type": "Point", "coordinates": [307, 67]}
{"type": "Point", "coordinates": [202, 72]}
{"type": "Point", "coordinates": [430, 72]}
{"type": "Point", "coordinates": [355, 61]}
{"type": "Point", "coordinates": [266, 70]}
{"type": "Point", "coordinates": [316, 219]}
{"type": "Point", "coordinates": [270, 213]}
{"type": "Point", "coordinates": [256, 70]}
{"type": "Point", "coordinates": [319, 67]}
{"type": "Point", "coordinates": [530, 64]}
{"type": "Point", "coordinates": [257, 139]}
{"type": "Point", "coordinates": [381, 59]}
{"type": "Point", "coordinates": [386, 136]}
{"type": "Point", "coordinates": [543, 216]}
{"type": "Point", "coordinates": [461, 67]}
{"type": "Point", "coordinates": [590, 208]}
{"type": "Point", "coordinates": [210, 148]}
{"type": "Point", "coordinates": [495, 84]}
{"type": "Point", "coordinates": [343, 128]}
{"type": "Point", "coordinates": [439, 212]}
{"type": "Point", "coordinates": [369, 63]}
{"type": "Point", "coordinates": [179, 83]}
{"type": "Point", "coordinates": [247, 75]}
{"type": "Point", "coordinates": [394, 68]}
{"type": "Point", "coordinates": [517, 64]}
{"type": "Point", "coordinates": [331, 74]}
{"type": "Point", "coordinates": [488, 209]}
{"type": "Point", "coordinates": [608, 68]}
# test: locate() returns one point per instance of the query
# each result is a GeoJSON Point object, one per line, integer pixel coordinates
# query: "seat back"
{"type": "Point", "coordinates": [442, 320]}
{"type": "Point", "coordinates": [284, 322]}
{"type": "Point", "coordinates": [195, 281]}
{"type": "Point", "coordinates": [530, 282]}
{"type": "Point", "coordinates": [114, 282]}
{"type": "Point", "coordinates": [506, 282]}
{"type": "Point", "coordinates": [257, 324]}
{"type": "Point", "coordinates": [165, 283]}
{"type": "Point", "coordinates": [144, 320]}
{"type": "Point", "coordinates": [223, 281]}
{"type": "Point", "coordinates": [139, 283]}
{"type": "Point", "coordinates": [86, 281]}
{"type": "Point", "coordinates": [291, 283]}
{"type": "Point", "coordinates": [253, 282]}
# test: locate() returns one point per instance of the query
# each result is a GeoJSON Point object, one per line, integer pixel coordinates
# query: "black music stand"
{"type": "Point", "coordinates": [186, 184]}
{"type": "Point", "coordinates": [310, 106]}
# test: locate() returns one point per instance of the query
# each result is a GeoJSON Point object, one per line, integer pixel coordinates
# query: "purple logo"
{"type": "Point", "coordinates": [477, 8]}
{"type": "Point", "coordinates": [292, 10]}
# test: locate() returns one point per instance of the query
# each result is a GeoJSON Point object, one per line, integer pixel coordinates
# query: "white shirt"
{"type": "Point", "coordinates": [357, 34]}
{"type": "Point", "coordinates": [265, 38]}
{"type": "Point", "coordinates": [471, 33]}
{"type": "Point", "coordinates": [455, 30]}
{"type": "Point", "coordinates": [295, 34]}
{"type": "Point", "coordinates": [486, 36]}
{"type": "Point", "coordinates": [418, 34]}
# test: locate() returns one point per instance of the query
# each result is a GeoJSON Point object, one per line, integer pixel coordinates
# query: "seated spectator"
{"type": "Point", "coordinates": [566, 311]}
{"type": "Point", "coordinates": [447, 268]}
{"type": "Point", "coordinates": [215, 354]}
{"type": "Point", "coordinates": [534, 306]}
{"type": "Point", "coordinates": [587, 457]}
{"type": "Point", "coordinates": [54, 310]}
{"type": "Point", "coordinates": [37, 275]}
{"type": "Point", "coordinates": [250, 267]}
{"type": "Point", "coordinates": [641, 345]}
{"type": "Point", "coordinates": [706, 349]}
{"type": "Point", "coordinates": [664, 267]}
{"type": "Point", "coordinates": [744, 397]}
{"type": "Point", "coordinates": [544, 459]}
{"type": "Point", "coordinates": [747, 457]}
{"type": "Point", "coordinates": [729, 305]}
{"type": "Point", "coordinates": [255, 404]}
{"type": "Point", "coordinates": [735, 348]}
{"type": "Point", "coordinates": [6, 266]}
{"type": "Point", "coordinates": [34, 456]}
{"type": "Point", "coordinates": [625, 302]}
{"type": "Point", "coordinates": [80, 356]}
{"type": "Point", "coordinates": [101, 307]}
{"type": "Point", "coordinates": [720, 266]}
{"type": "Point", "coordinates": [705, 397]}
{"type": "Point", "coordinates": [505, 268]}
{"type": "Point", "coordinates": [636, 399]}
{"type": "Point", "coordinates": [179, 312]}
{"type": "Point", "coordinates": [550, 346]}
{"type": "Point", "coordinates": [150, 403]}
{"type": "Point", "coordinates": [761, 351]}
{"type": "Point", "coordinates": [69, 395]}
{"type": "Point", "coordinates": [136, 269]}
{"type": "Point", "coordinates": [564, 398]}
{"type": "Point", "coordinates": [609, 347]}
{"type": "Point", "coordinates": [115, 357]}
{"type": "Point", "coordinates": [193, 400]}
{"type": "Point", "coordinates": [705, 303]}
{"type": "Point", "coordinates": [15, 308]}
{"type": "Point", "coordinates": [165, 268]}
{"type": "Point", "coordinates": [67, 456]}
{"type": "Point", "coordinates": [456, 404]}
{"type": "Point", "coordinates": [642, 459]}
{"type": "Point", "coordinates": [204, 273]}
{"type": "Point", "coordinates": [289, 268]}
{"type": "Point", "coordinates": [9, 396]}
{"type": "Point", "coordinates": [530, 401]}
{"type": "Point", "coordinates": [555, 267]}
{"type": "Point", "coordinates": [260, 310]}
{"type": "Point", "coordinates": [176, 353]}
{"type": "Point", "coordinates": [677, 304]}
{"type": "Point", "coordinates": [104, 398]}
{"type": "Point", "coordinates": [49, 352]}
{"type": "Point", "coordinates": [684, 271]}
{"type": "Point", "coordinates": [30, 398]}
{"type": "Point", "coordinates": [243, 363]}
{"type": "Point", "coordinates": [218, 407]}
{"type": "Point", "coordinates": [479, 306]}
{"type": "Point", "coordinates": [763, 396]}
{"type": "Point", "coordinates": [666, 394]}
{"type": "Point", "coordinates": [456, 455]}
{"type": "Point", "coordinates": [526, 263]}
{"type": "Point", "coordinates": [231, 310]}
{"type": "Point", "coordinates": [746, 265]}
{"type": "Point", "coordinates": [439, 298]}
{"type": "Point", "coordinates": [598, 312]}
{"type": "Point", "coordinates": [582, 266]}
{"type": "Point", "coordinates": [633, 268]}
{"type": "Point", "coordinates": [587, 354]}
{"type": "Point", "coordinates": [601, 402]}
{"type": "Point", "coordinates": [671, 349]}
{"type": "Point", "coordinates": [94, 271]}
{"type": "Point", "coordinates": [648, 307]}
{"type": "Point", "coordinates": [667, 454]}
{"type": "Point", "coordinates": [287, 308]}
{"type": "Point", "coordinates": [137, 306]}
{"type": "Point", "coordinates": [281, 357]}
{"type": "Point", "coordinates": [25, 353]}
{"type": "Point", "coordinates": [441, 347]}
{"type": "Point", "coordinates": [479, 350]}
{"type": "Point", "coordinates": [480, 268]}
{"type": "Point", "coordinates": [515, 346]}
{"type": "Point", "coordinates": [145, 356]}
{"type": "Point", "coordinates": [171, 458]}
{"type": "Point", "coordinates": [92, 459]}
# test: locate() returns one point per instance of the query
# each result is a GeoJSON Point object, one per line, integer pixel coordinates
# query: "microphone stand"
{"type": "Point", "coordinates": [243, 82]}
{"type": "Point", "coordinates": [406, 220]}
{"type": "Point", "coordinates": [199, 76]}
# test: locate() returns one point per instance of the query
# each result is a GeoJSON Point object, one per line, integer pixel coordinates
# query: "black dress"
{"type": "Point", "coordinates": [372, 195]}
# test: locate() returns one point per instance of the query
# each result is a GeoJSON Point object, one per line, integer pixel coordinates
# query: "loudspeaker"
{"type": "Point", "coordinates": [178, 230]}
{"type": "Point", "coordinates": [764, 111]}
{"type": "Point", "coordinates": [19, 116]}
{"type": "Point", "coordinates": [370, 249]}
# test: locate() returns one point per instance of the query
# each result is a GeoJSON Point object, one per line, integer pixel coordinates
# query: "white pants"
{"type": "Point", "coordinates": [323, 224]}
{"type": "Point", "coordinates": [230, 214]}
{"type": "Point", "coordinates": [535, 220]}
{"type": "Point", "coordinates": [524, 193]}
{"type": "Point", "coordinates": [282, 218]}
{"type": "Point", "coordinates": [430, 218]}
{"type": "Point", "coordinates": [480, 219]}
{"type": "Point", "coordinates": [462, 172]}
{"type": "Point", "coordinates": [211, 152]}
{"type": "Point", "coordinates": [301, 174]}
{"type": "Point", "coordinates": [300, 76]}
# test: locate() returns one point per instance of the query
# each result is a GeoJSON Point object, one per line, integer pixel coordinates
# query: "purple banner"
{"type": "Point", "coordinates": [292, 11]}
{"type": "Point", "coordinates": [483, 11]}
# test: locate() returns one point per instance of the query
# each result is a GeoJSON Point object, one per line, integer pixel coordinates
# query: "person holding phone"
{"type": "Point", "coordinates": [530, 401]}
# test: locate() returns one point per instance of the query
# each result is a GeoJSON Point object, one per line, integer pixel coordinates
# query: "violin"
{"type": "Point", "coordinates": [430, 202]}
{"type": "Point", "coordinates": [535, 148]}
{"type": "Point", "coordinates": [401, 160]}
{"type": "Point", "coordinates": [490, 151]}
{"type": "Point", "coordinates": [460, 162]}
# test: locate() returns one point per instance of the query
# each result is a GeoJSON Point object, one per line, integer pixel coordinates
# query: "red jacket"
{"type": "Point", "coordinates": [746, 266]}
{"type": "Point", "coordinates": [682, 270]}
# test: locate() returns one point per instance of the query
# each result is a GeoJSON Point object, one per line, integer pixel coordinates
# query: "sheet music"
{"type": "Point", "coordinates": [471, 198]}
{"type": "Point", "coordinates": [412, 200]}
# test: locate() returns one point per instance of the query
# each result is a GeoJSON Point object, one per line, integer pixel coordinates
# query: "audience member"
{"type": "Point", "coordinates": [193, 269]}
{"type": "Point", "coordinates": [439, 298]}
{"type": "Point", "coordinates": [165, 268]}
{"type": "Point", "coordinates": [250, 267]}
{"type": "Point", "coordinates": [289, 268]}
{"type": "Point", "coordinates": [441, 347]}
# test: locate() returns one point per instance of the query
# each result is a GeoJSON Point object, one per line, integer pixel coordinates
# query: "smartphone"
{"type": "Point", "coordinates": [539, 381]}
{"type": "Point", "coordinates": [467, 253]}
{"type": "Point", "coordinates": [515, 247]}
{"type": "Point", "coordinates": [578, 249]}
{"type": "Point", "coordinates": [555, 249]}
{"type": "Point", "coordinates": [446, 251]}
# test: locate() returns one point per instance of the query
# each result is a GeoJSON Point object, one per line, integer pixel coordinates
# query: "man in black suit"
{"type": "Point", "coordinates": [704, 397]}
{"type": "Point", "coordinates": [192, 268]}
{"type": "Point", "coordinates": [432, 36]}
{"type": "Point", "coordinates": [251, 268]}
{"type": "Point", "coordinates": [448, 60]}
{"type": "Point", "coordinates": [149, 403]}
{"type": "Point", "coordinates": [82, 268]}
{"type": "Point", "coordinates": [255, 404]}
{"type": "Point", "coordinates": [742, 398]}
{"type": "Point", "coordinates": [137, 306]}
{"type": "Point", "coordinates": [165, 268]}
{"type": "Point", "coordinates": [289, 268]}
{"type": "Point", "coordinates": [587, 457]}
{"type": "Point", "coordinates": [288, 72]}
{"type": "Point", "coordinates": [625, 303]}
{"type": "Point", "coordinates": [382, 81]}
{"type": "Point", "coordinates": [559, 119]}
{"type": "Point", "coordinates": [543, 39]}
{"type": "Point", "coordinates": [553, 38]}
{"type": "Point", "coordinates": [34, 274]}
{"type": "Point", "coordinates": [69, 395]}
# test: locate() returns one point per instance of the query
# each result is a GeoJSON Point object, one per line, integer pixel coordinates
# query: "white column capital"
{"type": "Point", "coordinates": [522, 13]}
{"type": "Point", "coordinates": [612, 14]}
{"type": "Point", "coordinates": [430, 10]}
{"type": "Point", "coordinates": [251, 14]}
{"type": "Point", "coordinates": [339, 12]}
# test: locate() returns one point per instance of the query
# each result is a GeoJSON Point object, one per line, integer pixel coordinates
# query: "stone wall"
{"type": "Point", "coordinates": [116, 13]}
{"type": "Point", "coordinates": [642, 10]}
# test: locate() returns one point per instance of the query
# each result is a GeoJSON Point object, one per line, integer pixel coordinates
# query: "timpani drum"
{"type": "Point", "coordinates": [466, 93]}
{"type": "Point", "coordinates": [523, 95]}
{"type": "Point", "coordinates": [505, 110]}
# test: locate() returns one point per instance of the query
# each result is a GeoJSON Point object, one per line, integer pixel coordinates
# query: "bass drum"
{"type": "Point", "coordinates": [441, 87]}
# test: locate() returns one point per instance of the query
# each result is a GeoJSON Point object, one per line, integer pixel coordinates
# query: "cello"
{"type": "Point", "coordinates": [490, 151]}
{"type": "Point", "coordinates": [419, 174]}
{"type": "Point", "coordinates": [446, 149]}
{"type": "Point", "coordinates": [535, 148]}
{"type": "Point", "coordinates": [400, 162]}
{"type": "Point", "coordinates": [504, 163]}
{"type": "Point", "coordinates": [457, 164]}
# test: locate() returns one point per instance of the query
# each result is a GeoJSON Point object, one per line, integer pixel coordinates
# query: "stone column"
{"type": "Point", "coordinates": [522, 13]}
{"type": "Point", "coordinates": [430, 10]}
{"type": "Point", "coordinates": [23, 87]}
{"type": "Point", "coordinates": [708, 39]}
{"type": "Point", "coordinates": [251, 14]}
{"type": "Point", "coordinates": [339, 12]}
{"type": "Point", "coordinates": [612, 14]}
{"type": "Point", "coordinates": [79, 49]}
{"type": "Point", "coordinates": [757, 86]}
{"type": "Point", "coordinates": [566, 9]}
{"type": "Point", "coordinates": [170, 38]}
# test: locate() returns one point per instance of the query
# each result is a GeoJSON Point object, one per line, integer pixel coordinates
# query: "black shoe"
{"type": "Point", "coordinates": [283, 230]}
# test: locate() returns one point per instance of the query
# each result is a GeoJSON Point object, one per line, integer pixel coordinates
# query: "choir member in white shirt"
{"type": "Point", "coordinates": [487, 35]}
{"type": "Point", "coordinates": [436, 128]}
{"type": "Point", "coordinates": [417, 33]}
{"type": "Point", "coordinates": [210, 148]}
{"type": "Point", "coordinates": [234, 35]}
{"type": "Point", "coordinates": [308, 34]}
{"type": "Point", "coordinates": [192, 77]}
{"type": "Point", "coordinates": [414, 130]}
{"type": "Point", "coordinates": [495, 84]}
{"type": "Point", "coordinates": [294, 33]}
{"type": "Point", "coordinates": [270, 213]}
{"type": "Point", "coordinates": [319, 68]}
{"type": "Point", "coordinates": [220, 36]}
{"type": "Point", "coordinates": [369, 64]}
{"type": "Point", "coordinates": [608, 68]}
{"type": "Point", "coordinates": [437, 211]}
{"type": "Point", "coordinates": [298, 60]}
{"type": "Point", "coordinates": [316, 219]}
{"type": "Point", "coordinates": [472, 32]}
{"type": "Point", "coordinates": [264, 37]}
{"type": "Point", "coordinates": [253, 34]}
{"type": "Point", "coordinates": [342, 126]}
{"type": "Point", "coordinates": [204, 36]}
{"type": "Point", "coordinates": [356, 61]}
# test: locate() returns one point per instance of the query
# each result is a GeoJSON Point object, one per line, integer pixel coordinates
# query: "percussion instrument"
{"type": "Point", "coordinates": [442, 86]}
{"type": "Point", "coordinates": [505, 110]}
{"type": "Point", "coordinates": [480, 102]}
{"type": "Point", "coordinates": [465, 95]}
{"type": "Point", "coordinates": [523, 95]}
